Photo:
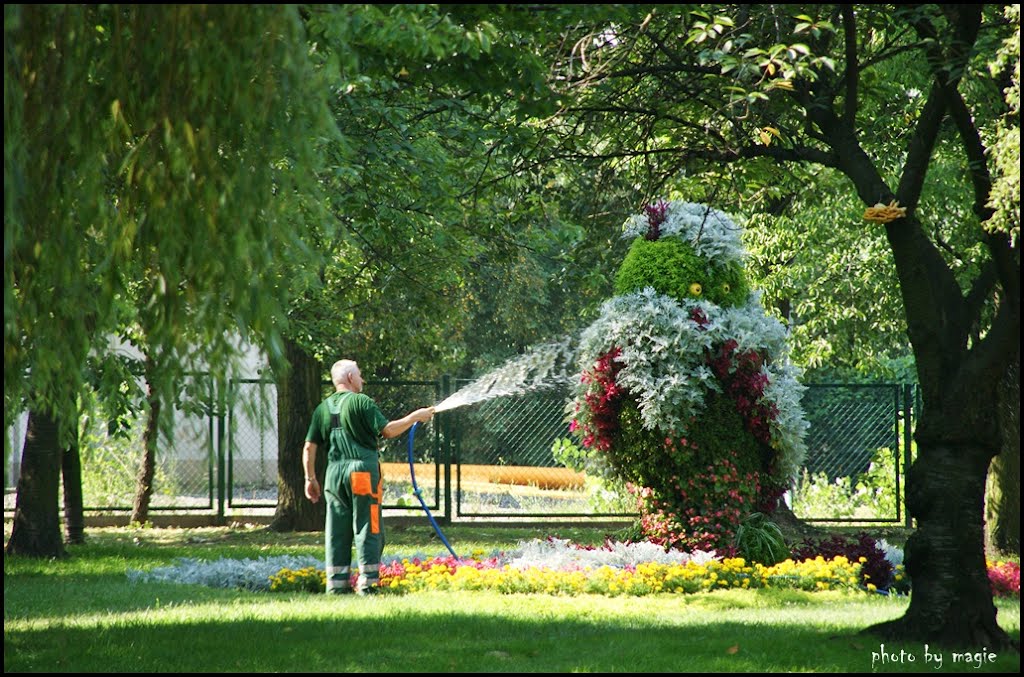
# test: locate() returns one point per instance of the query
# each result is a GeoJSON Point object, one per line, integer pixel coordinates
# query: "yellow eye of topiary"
{"type": "Point", "coordinates": [696, 289]}
{"type": "Point", "coordinates": [726, 288]}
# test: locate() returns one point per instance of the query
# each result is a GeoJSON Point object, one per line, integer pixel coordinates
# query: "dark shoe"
{"type": "Point", "coordinates": [368, 590]}
{"type": "Point", "coordinates": [341, 591]}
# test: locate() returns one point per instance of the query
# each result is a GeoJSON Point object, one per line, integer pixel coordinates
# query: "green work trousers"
{"type": "Point", "coordinates": [353, 489]}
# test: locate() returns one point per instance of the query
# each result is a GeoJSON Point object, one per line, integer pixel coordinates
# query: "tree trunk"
{"type": "Point", "coordinates": [1002, 502]}
{"type": "Point", "coordinates": [74, 507]}
{"type": "Point", "coordinates": [36, 530]}
{"type": "Point", "coordinates": [958, 431]}
{"type": "Point", "coordinates": [299, 391]}
{"type": "Point", "coordinates": [951, 598]}
{"type": "Point", "coordinates": [147, 466]}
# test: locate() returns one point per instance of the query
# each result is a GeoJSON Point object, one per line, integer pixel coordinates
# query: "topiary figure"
{"type": "Point", "coordinates": [685, 392]}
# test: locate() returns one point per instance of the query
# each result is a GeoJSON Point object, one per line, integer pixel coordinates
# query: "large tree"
{"type": "Point", "coordinates": [388, 249]}
{"type": "Point", "coordinates": [427, 232]}
{"type": "Point", "coordinates": [168, 139]}
{"type": "Point", "coordinates": [673, 96]}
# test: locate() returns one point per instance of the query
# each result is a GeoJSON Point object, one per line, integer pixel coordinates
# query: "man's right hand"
{"type": "Point", "coordinates": [313, 489]}
{"type": "Point", "coordinates": [423, 415]}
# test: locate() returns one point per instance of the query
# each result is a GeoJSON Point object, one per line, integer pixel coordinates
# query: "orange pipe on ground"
{"type": "Point", "coordinates": [525, 475]}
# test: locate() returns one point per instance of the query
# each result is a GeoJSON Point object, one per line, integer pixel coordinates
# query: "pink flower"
{"type": "Point", "coordinates": [1005, 579]}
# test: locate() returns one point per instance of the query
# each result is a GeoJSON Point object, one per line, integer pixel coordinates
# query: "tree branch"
{"type": "Point", "coordinates": [704, 130]}
{"type": "Point", "coordinates": [852, 67]}
{"type": "Point", "coordinates": [920, 148]}
{"type": "Point", "coordinates": [645, 70]}
{"type": "Point", "coordinates": [798, 154]}
{"type": "Point", "coordinates": [998, 245]}
{"type": "Point", "coordinates": [947, 71]}
{"type": "Point", "coordinates": [966, 21]}
{"type": "Point", "coordinates": [981, 289]}
{"type": "Point", "coordinates": [939, 318]}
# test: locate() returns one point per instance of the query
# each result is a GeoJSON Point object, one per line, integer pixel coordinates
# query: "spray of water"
{"type": "Point", "coordinates": [543, 366]}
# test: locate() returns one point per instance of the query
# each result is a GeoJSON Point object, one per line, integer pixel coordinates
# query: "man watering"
{"type": "Point", "coordinates": [351, 424]}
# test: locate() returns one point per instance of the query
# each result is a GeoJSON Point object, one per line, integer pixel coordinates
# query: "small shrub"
{"type": "Point", "coordinates": [760, 540]}
{"type": "Point", "coordinates": [873, 493]}
{"type": "Point", "coordinates": [604, 494]}
{"type": "Point", "coordinates": [877, 488]}
{"type": "Point", "coordinates": [875, 568]}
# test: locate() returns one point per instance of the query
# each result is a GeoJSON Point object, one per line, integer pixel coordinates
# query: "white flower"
{"type": "Point", "coordinates": [712, 233]}
{"type": "Point", "coordinates": [892, 553]}
{"type": "Point", "coordinates": [552, 554]}
{"type": "Point", "coordinates": [248, 574]}
{"type": "Point", "coordinates": [561, 555]}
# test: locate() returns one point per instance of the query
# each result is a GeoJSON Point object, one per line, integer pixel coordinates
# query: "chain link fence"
{"type": "Point", "coordinates": [495, 458]}
{"type": "Point", "coordinates": [252, 445]}
{"type": "Point", "coordinates": [858, 447]}
{"type": "Point", "coordinates": [505, 463]}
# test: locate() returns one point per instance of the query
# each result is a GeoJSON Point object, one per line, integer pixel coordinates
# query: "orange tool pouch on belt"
{"type": "Point", "coordinates": [362, 485]}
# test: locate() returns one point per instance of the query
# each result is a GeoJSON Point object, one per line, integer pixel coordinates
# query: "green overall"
{"type": "Point", "coordinates": [351, 423]}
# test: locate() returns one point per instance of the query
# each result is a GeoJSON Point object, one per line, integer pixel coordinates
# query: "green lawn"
{"type": "Point", "coordinates": [83, 614]}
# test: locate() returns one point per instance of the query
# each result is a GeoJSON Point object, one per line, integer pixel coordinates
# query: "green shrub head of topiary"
{"type": "Point", "coordinates": [672, 267]}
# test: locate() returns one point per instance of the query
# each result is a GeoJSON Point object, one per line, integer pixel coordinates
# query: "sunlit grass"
{"type": "Point", "coordinates": [83, 614]}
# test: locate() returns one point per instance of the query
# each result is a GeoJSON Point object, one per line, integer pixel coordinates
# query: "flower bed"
{"type": "Point", "coordinates": [1005, 578]}
{"type": "Point", "coordinates": [559, 567]}
{"type": "Point", "coordinates": [571, 570]}
{"type": "Point", "coordinates": [445, 573]}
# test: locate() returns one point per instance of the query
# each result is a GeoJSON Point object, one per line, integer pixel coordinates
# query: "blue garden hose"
{"type": "Point", "coordinates": [419, 494]}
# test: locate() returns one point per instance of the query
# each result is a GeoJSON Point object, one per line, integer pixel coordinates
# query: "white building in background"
{"type": "Point", "coordinates": [250, 428]}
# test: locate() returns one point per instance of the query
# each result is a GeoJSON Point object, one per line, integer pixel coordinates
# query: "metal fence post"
{"type": "Point", "coordinates": [230, 437]}
{"type": "Point", "coordinates": [211, 452]}
{"type": "Point", "coordinates": [896, 443]}
{"type": "Point", "coordinates": [221, 489]}
{"type": "Point", "coordinates": [446, 455]}
{"type": "Point", "coordinates": [908, 440]}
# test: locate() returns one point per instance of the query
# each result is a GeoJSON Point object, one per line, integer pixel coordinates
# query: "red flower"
{"type": "Point", "coordinates": [600, 420]}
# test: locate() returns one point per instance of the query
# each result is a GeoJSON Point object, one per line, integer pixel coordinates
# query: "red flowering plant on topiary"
{"type": "Point", "coordinates": [693, 490]}
{"type": "Point", "coordinates": [702, 513]}
{"type": "Point", "coordinates": [597, 417]}
{"type": "Point", "coordinates": [655, 217]}
{"type": "Point", "coordinates": [743, 380]}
